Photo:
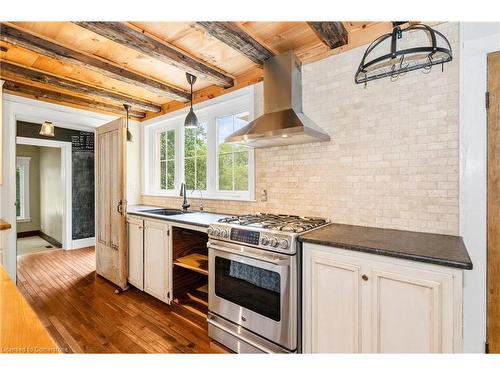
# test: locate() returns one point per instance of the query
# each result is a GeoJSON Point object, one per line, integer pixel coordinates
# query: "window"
{"type": "Point", "coordinates": [167, 160]}
{"type": "Point", "coordinates": [232, 160]}
{"type": "Point", "coordinates": [195, 158]}
{"type": "Point", "coordinates": [199, 157]}
{"type": "Point", "coordinates": [22, 188]}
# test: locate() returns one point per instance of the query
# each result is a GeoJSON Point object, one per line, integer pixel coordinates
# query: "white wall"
{"type": "Point", "coordinates": [134, 165]}
{"type": "Point", "coordinates": [477, 40]}
{"type": "Point", "coordinates": [51, 193]}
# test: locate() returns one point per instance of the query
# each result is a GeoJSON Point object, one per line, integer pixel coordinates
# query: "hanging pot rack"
{"type": "Point", "coordinates": [399, 62]}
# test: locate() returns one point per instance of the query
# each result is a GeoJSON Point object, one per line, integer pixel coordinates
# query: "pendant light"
{"type": "Point", "coordinates": [47, 129]}
{"type": "Point", "coordinates": [191, 119]}
{"type": "Point", "coordinates": [129, 134]}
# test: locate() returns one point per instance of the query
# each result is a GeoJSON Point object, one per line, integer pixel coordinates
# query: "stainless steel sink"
{"type": "Point", "coordinates": [163, 211]}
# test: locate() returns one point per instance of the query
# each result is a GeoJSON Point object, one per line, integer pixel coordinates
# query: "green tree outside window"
{"type": "Point", "coordinates": [167, 160]}
{"type": "Point", "coordinates": [195, 157]}
{"type": "Point", "coordinates": [232, 159]}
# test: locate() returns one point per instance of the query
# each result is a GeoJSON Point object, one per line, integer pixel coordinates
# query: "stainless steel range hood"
{"type": "Point", "coordinates": [283, 122]}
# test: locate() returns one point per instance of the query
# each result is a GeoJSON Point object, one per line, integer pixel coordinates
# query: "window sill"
{"type": "Point", "coordinates": [23, 220]}
{"type": "Point", "coordinates": [197, 197]}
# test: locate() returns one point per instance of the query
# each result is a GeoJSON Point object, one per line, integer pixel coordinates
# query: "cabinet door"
{"type": "Point", "coordinates": [135, 233]}
{"type": "Point", "coordinates": [157, 262]}
{"type": "Point", "coordinates": [412, 310]}
{"type": "Point", "coordinates": [332, 303]}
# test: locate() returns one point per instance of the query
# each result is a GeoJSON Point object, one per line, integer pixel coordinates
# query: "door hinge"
{"type": "Point", "coordinates": [486, 347]}
{"type": "Point", "coordinates": [487, 99]}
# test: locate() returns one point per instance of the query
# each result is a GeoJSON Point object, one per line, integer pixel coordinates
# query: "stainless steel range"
{"type": "Point", "coordinates": [254, 281]}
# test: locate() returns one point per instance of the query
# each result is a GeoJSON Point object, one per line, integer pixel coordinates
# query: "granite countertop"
{"type": "Point", "coordinates": [438, 249]}
{"type": "Point", "coordinates": [198, 218]}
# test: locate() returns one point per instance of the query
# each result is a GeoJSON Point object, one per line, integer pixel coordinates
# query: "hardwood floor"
{"type": "Point", "coordinates": [84, 315]}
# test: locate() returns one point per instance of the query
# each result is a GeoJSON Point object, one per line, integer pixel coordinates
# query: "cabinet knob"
{"type": "Point", "coordinates": [364, 277]}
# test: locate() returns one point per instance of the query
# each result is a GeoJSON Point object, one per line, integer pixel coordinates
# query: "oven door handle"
{"type": "Point", "coordinates": [279, 261]}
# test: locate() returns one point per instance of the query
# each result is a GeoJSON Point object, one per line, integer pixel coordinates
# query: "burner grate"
{"type": "Point", "coordinates": [284, 223]}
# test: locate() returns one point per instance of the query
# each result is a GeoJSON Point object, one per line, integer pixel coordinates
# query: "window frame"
{"type": "Point", "coordinates": [233, 103]}
{"type": "Point", "coordinates": [23, 162]}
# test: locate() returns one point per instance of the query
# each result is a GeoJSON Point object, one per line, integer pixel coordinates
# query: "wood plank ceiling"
{"type": "Point", "coordinates": [99, 66]}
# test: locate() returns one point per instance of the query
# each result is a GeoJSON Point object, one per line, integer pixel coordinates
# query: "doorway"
{"type": "Point", "coordinates": [493, 205]}
{"type": "Point", "coordinates": [43, 195]}
{"type": "Point", "coordinates": [39, 199]}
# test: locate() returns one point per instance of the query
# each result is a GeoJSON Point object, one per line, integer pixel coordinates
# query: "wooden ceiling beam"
{"type": "Point", "coordinates": [65, 99]}
{"type": "Point", "coordinates": [45, 47]}
{"type": "Point", "coordinates": [133, 38]}
{"type": "Point", "coordinates": [66, 84]}
{"type": "Point", "coordinates": [333, 34]}
{"type": "Point", "coordinates": [246, 79]}
{"type": "Point", "coordinates": [363, 35]}
{"type": "Point", "coordinates": [235, 37]}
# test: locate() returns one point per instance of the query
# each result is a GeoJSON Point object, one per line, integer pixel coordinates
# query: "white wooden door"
{"type": "Point", "coordinates": [157, 259]}
{"type": "Point", "coordinates": [111, 244]}
{"type": "Point", "coordinates": [412, 310]}
{"type": "Point", "coordinates": [332, 303]}
{"type": "Point", "coordinates": [135, 231]}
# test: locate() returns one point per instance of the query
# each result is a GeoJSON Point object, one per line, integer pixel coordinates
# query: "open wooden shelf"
{"type": "Point", "coordinates": [200, 295]}
{"type": "Point", "coordinates": [195, 301]}
{"type": "Point", "coordinates": [194, 262]}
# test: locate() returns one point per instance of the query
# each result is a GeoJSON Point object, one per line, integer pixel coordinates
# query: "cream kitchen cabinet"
{"type": "Point", "coordinates": [150, 258]}
{"type": "Point", "coordinates": [135, 234]}
{"type": "Point", "coordinates": [362, 303]}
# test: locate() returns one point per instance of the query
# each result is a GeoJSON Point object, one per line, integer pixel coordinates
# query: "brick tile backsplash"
{"type": "Point", "coordinates": [393, 158]}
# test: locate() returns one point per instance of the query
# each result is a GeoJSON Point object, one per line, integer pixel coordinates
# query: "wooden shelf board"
{"type": "Point", "coordinates": [194, 305]}
{"type": "Point", "coordinates": [194, 262]}
{"type": "Point", "coordinates": [200, 295]}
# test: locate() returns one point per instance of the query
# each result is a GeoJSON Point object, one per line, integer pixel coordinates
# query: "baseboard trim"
{"type": "Point", "coordinates": [51, 240]}
{"type": "Point", "coordinates": [82, 242]}
{"type": "Point", "coordinates": [28, 233]}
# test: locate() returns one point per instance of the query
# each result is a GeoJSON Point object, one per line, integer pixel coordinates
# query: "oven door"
{"type": "Point", "coordinates": [255, 289]}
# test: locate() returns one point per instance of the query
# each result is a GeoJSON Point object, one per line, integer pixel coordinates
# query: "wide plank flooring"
{"type": "Point", "coordinates": [84, 315]}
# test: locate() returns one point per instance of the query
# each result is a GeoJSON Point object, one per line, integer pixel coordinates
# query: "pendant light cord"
{"type": "Point", "coordinates": [191, 94]}
{"type": "Point", "coordinates": [129, 135]}
{"type": "Point", "coordinates": [191, 80]}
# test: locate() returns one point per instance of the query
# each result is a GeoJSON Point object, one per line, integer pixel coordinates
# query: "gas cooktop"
{"type": "Point", "coordinates": [277, 222]}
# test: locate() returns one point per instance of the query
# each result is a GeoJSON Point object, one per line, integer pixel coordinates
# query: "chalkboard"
{"type": "Point", "coordinates": [82, 150]}
{"type": "Point", "coordinates": [83, 195]}
{"type": "Point", "coordinates": [82, 142]}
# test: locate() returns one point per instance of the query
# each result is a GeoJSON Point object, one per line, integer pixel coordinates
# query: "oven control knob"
{"type": "Point", "coordinates": [264, 241]}
{"type": "Point", "coordinates": [223, 233]}
{"type": "Point", "coordinates": [210, 230]}
{"type": "Point", "coordinates": [274, 242]}
{"type": "Point", "coordinates": [284, 244]}
{"type": "Point", "coordinates": [217, 232]}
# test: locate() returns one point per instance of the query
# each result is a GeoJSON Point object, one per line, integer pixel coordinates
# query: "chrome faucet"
{"type": "Point", "coordinates": [185, 204]}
